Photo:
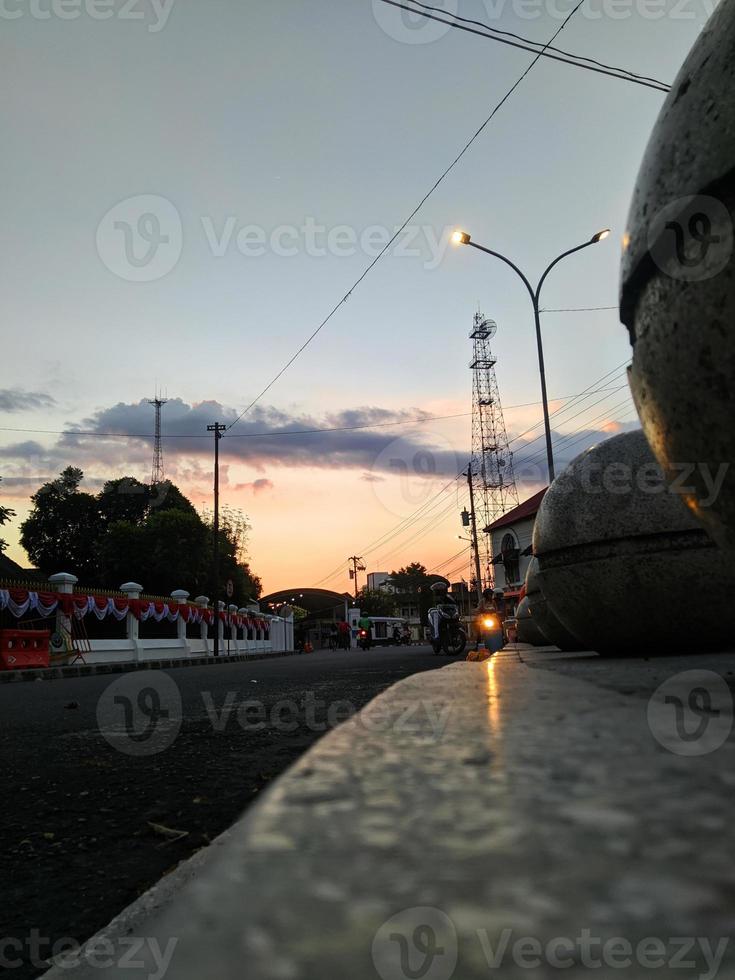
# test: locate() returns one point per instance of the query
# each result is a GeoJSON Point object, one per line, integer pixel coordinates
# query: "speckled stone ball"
{"type": "Point", "coordinates": [623, 562]}
{"type": "Point", "coordinates": [543, 615]}
{"type": "Point", "coordinates": [528, 631]}
{"type": "Point", "coordinates": [678, 280]}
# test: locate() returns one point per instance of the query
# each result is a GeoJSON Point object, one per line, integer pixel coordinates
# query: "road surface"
{"type": "Point", "coordinates": [111, 781]}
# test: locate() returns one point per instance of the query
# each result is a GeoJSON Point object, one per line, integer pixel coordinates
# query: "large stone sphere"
{"type": "Point", "coordinates": [528, 631]}
{"type": "Point", "coordinates": [623, 562]}
{"type": "Point", "coordinates": [543, 615]}
{"type": "Point", "coordinates": [678, 280]}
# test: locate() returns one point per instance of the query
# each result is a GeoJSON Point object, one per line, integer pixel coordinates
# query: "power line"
{"type": "Point", "coordinates": [419, 515]}
{"type": "Point", "coordinates": [424, 529]}
{"type": "Point", "coordinates": [549, 47]}
{"type": "Point", "coordinates": [415, 211]}
{"type": "Point", "coordinates": [583, 427]}
{"type": "Point", "coordinates": [397, 529]}
{"type": "Point", "coordinates": [530, 442]}
{"type": "Point", "coordinates": [447, 561]}
{"type": "Point", "coordinates": [577, 397]}
{"type": "Point", "coordinates": [424, 509]}
{"type": "Point", "coordinates": [565, 444]}
{"type": "Point", "coordinates": [571, 59]}
{"type": "Point", "coordinates": [93, 433]}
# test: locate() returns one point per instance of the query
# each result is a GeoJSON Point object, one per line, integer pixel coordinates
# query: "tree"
{"type": "Point", "coordinates": [167, 496]}
{"type": "Point", "coordinates": [130, 531]}
{"type": "Point", "coordinates": [413, 583]}
{"type": "Point", "coordinates": [124, 499]}
{"type": "Point", "coordinates": [166, 551]}
{"type": "Point", "coordinates": [64, 528]}
{"type": "Point", "coordinates": [6, 513]}
{"type": "Point", "coordinates": [373, 602]}
{"type": "Point", "coordinates": [234, 528]}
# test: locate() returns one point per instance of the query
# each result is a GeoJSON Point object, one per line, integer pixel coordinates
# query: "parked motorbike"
{"type": "Point", "coordinates": [448, 635]}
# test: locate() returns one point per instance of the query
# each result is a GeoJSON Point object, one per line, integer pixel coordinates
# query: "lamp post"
{"type": "Point", "coordinates": [462, 238]}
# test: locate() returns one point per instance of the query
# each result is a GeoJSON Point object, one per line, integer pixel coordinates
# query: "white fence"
{"type": "Point", "coordinates": [240, 631]}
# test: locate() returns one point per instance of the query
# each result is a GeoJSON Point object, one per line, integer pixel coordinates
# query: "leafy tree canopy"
{"type": "Point", "coordinates": [64, 527]}
{"type": "Point", "coordinates": [374, 602]}
{"type": "Point", "coordinates": [6, 513]}
{"type": "Point", "coordinates": [131, 531]}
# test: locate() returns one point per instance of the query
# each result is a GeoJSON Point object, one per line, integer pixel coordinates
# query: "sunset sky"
{"type": "Point", "coordinates": [266, 145]}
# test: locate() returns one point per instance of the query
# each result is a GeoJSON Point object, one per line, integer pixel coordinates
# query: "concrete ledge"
{"type": "Point", "coordinates": [461, 803]}
{"type": "Point", "coordinates": [87, 670]}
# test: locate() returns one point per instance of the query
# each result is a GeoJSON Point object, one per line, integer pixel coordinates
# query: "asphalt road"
{"type": "Point", "coordinates": [111, 781]}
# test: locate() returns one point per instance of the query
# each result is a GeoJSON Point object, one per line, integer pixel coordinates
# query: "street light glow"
{"type": "Point", "coordinates": [601, 235]}
{"type": "Point", "coordinates": [461, 238]}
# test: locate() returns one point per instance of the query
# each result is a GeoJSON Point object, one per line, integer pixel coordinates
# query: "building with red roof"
{"type": "Point", "coordinates": [512, 535]}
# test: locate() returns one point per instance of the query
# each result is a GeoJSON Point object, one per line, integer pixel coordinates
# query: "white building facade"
{"type": "Point", "coordinates": [512, 536]}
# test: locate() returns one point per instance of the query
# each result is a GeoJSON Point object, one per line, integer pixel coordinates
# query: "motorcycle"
{"type": "Point", "coordinates": [364, 639]}
{"type": "Point", "coordinates": [448, 635]}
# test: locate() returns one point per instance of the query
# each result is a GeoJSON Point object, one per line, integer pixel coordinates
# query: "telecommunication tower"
{"type": "Point", "coordinates": [491, 466]}
{"type": "Point", "coordinates": [157, 470]}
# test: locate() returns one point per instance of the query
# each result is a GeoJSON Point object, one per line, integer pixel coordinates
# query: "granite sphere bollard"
{"type": "Point", "coordinates": [528, 631]}
{"type": "Point", "coordinates": [678, 280]}
{"type": "Point", "coordinates": [624, 563]}
{"type": "Point", "coordinates": [543, 615]}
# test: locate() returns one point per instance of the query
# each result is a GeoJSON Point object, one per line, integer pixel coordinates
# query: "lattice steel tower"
{"type": "Point", "coordinates": [491, 465]}
{"type": "Point", "coordinates": [157, 470]}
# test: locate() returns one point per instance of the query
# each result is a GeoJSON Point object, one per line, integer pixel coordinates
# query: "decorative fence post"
{"type": "Point", "coordinates": [63, 582]}
{"type": "Point", "coordinates": [203, 602]}
{"type": "Point", "coordinates": [181, 596]}
{"type": "Point", "coordinates": [232, 610]}
{"type": "Point", "coordinates": [245, 642]}
{"type": "Point", "coordinates": [220, 625]}
{"type": "Point", "coordinates": [132, 590]}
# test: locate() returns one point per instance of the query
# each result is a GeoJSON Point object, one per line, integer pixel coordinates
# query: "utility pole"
{"type": "Point", "coordinates": [478, 576]}
{"type": "Point", "coordinates": [357, 566]}
{"type": "Point", "coordinates": [217, 429]}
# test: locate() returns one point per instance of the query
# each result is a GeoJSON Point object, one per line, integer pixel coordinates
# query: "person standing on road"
{"type": "Point", "coordinates": [365, 623]}
{"type": "Point", "coordinates": [343, 628]}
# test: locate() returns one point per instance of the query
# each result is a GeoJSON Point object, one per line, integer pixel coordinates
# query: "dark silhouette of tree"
{"type": "Point", "coordinates": [63, 530]}
{"type": "Point", "coordinates": [124, 499]}
{"type": "Point", "coordinates": [413, 587]}
{"type": "Point", "coordinates": [6, 514]}
{"type": "Point", "coordinates": [374, 602]}
{"type": "Point", "coordinates": [131, 531]}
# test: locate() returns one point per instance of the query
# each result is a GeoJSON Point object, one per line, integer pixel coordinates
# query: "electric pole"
{"type": "Point", "coordinates": [217, 429]}
{"type": "Point", "coordinates": [478, 575]}
{"type": "Point", "coordinates": [357, 566]}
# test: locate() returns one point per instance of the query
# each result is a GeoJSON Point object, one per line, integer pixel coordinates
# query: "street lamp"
{"type": "Point", "coordinates": [462, 238]}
